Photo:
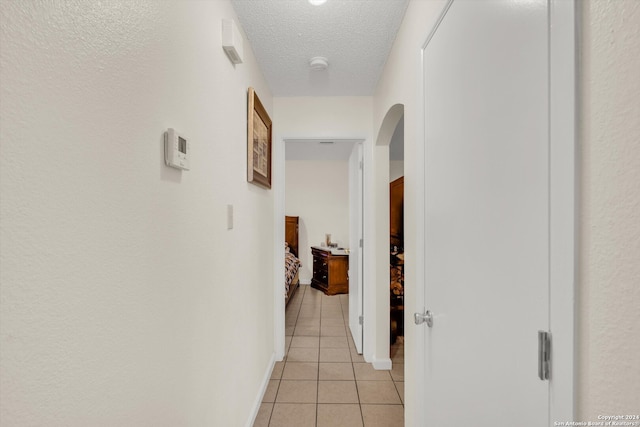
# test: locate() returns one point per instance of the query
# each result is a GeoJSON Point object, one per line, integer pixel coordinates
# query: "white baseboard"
{"type": "Point", "coordinates": [305, 281]}
{"type": "Point", "coordinates": [381, 364]}
{"type": "Point", "coordinates": [263, 388]}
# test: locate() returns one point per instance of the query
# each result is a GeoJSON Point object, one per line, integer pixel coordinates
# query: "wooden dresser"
{"type": "Point", "coordinates": [330, 272]}
{"type": "Point", "coordinates": [396, 214]}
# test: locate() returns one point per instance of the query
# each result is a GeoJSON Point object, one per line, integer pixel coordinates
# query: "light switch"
{"type": "Point", "coordinates": [229, 217]}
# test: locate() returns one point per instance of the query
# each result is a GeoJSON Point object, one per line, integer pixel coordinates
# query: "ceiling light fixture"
{"type": "Point", "coordinates": [317, 2]}
{"type": "Point", "coordinates": [318, 63]}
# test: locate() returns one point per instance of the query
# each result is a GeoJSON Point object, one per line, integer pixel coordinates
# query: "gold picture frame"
{"type": "Point", "coordinates": [258, 142]}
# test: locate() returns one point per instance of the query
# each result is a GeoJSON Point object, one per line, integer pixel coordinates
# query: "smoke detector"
{"type": "Point", "coordinates": [319, 63]}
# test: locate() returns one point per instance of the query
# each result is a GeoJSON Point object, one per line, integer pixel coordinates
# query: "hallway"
{"type": "Point", "coordinates": [323, 381]}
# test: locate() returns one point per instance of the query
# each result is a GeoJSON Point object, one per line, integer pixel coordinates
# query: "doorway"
{"type": "Point", "coordinates": [317, 186]}
{"type": "Point", "coordinates": [392, 125]}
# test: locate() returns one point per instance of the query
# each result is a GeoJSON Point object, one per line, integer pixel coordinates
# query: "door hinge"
{"type": "Point", "coordinates": [361, 320]}
{"type": "Point", "coordinates": [361, 164]}
{"type": "Point", "coordinates": [361, 242]}
{"type": "Point", "coordinates": [544, 355]}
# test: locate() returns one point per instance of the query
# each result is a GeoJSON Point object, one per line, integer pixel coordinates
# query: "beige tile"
{"type": "Point", "coordinates": [382, 392]}
{"type": "Point", "coordinates": [400, 388]}
{"type": "Point", "coordinates": [287, 343]}
{"type": "Point", "coordinates": [336, 371]}
{"type": "Point", "coordinates": [309, 331]}
{"type": "Point", "coordinates": [307, 322]}
{"type": "Point", "coordinates": [288, 330]}
{"type": "Point", "coordinates": [271, 391]}
{"type": "Point", "coordinates": [309, 312]}
{"type": "Point", "coordinates": [312, 300]}
{"type": "Point", "coordinates": [297, 391]}
{"type": "Point", "coordinates": [333, 321]}
{"type": "Point", "coordinates": [292, 308]}
{"type": "Point", "coordinates": [333, 342]}
{"type": "Point", "coordinates": [339, 416]}
{"type": "Point", "coordinates": [335, 355]}
{"type": "Point", "coordinates": [333, 331]}
{"type": "Point", "coordinates": [397, 372]}
{"type": "Point", "coordinates": [365, 371]}
{"type": "Point", "coordinates": [352, 345]}
{"type": "Point", "coordinates": [357, 358]}
{"type": "Point", "coordinates": [383, 415]}
{"type": "Point", "coordinates": [276, 374]}
{"type": "Point", "coordinates": [396, 354]}
{"type": "Point", "coordinates": [300, 371]}
{"type": "Point", "coordinates": [313, 293]}
{"type": "Point", "coordinates": [290, 320]}
{"type": "Point", "coordinates": [300, 354]}
{"type": "Point", "coordinates": [331, 303]}
{"type": "Point", "coordinates": [305, 342]}
{"type": "Point", "coordinates": [263, 416]}
{"type": "Point", "coordinates": [331, 313]}
{"type": "Point", "coordinates": [337, 392]}
{"type": "Point", "coordinates": [292, 415]}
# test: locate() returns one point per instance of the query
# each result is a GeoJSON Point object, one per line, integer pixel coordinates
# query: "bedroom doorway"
{"type": "Point", "coordinates": [323, 188]}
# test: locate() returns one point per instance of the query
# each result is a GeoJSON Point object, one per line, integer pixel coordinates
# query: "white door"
{"type": "Point", "coordinates": [355, 239]}
{"type": "Point", "coordinates": [486, 214]}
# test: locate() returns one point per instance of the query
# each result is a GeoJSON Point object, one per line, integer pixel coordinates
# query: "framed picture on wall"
{"type": "Point", "coordinates": [258, 142]}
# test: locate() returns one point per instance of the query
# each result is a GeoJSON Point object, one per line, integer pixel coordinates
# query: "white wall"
{"type": "Point", "coordinates": [609, 253]}
{"type": "Point", "coordinates": [347, 117]}
{"type": "Point", "coordinates": [318, 192]}
{"type": "Point", "coordinates": [396, 169]}
{"type": "Point", "coordinates": [124, 297]}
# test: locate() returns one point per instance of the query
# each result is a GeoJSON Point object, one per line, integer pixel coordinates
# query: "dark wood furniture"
{"type": "Point", "coordinates": [291, 227]}
{"type": "Point", "coordinates": [396, 204]}
{"type": "Point", "coordinates": [291, 238]}
{"type": "Point", "coordinates": [330, 272]}
{"type": "Point", "coordinates": [396, 229]}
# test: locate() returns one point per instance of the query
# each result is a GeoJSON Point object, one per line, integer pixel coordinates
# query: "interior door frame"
{"type": "Point", "coordinates": [356, 235]}
{"type": "Point", "coordinates": [278, 187]}
{"type": "Point", "coordinates": [562, 211]}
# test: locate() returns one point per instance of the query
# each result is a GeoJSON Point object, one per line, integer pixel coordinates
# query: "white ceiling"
{"type": "Point", "coordinates": [354, 35]}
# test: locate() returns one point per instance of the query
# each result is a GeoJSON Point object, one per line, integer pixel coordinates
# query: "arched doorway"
{"type": "Point", "coordinates": [381, 303]}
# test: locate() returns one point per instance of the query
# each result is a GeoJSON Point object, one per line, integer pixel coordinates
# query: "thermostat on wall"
{"type": "Point", "coordinates": [176, 150]}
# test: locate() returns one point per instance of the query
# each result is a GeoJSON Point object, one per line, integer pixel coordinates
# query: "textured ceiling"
{"type": "Point", "coordinates": [355, 36]}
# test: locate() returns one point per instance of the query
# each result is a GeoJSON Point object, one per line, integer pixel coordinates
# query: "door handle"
{"type": "Point", "coordinates": [544, 355]}
{"type": "Point", "coordinates": [426, 317]}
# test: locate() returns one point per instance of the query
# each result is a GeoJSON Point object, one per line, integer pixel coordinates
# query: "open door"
{"type": "Point", "coordinates": [356, 169]}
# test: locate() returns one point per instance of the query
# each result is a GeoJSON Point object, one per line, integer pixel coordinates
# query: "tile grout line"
{"type": "Point", "coordinates": [318, 370]}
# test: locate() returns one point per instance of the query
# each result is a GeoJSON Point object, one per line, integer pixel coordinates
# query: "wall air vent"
{"type": "Point", "coordinates": [232, 41]}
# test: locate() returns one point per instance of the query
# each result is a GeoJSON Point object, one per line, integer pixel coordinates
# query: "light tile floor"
{"type": "Point", "coordinates": [323, 381]}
